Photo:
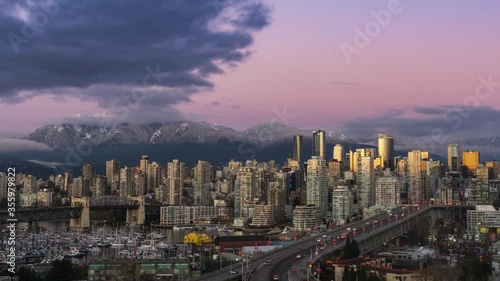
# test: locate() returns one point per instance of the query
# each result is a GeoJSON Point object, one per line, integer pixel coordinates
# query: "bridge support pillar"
{"type": "Point", "coordinates": [137, 216]}
{"type": "Point", "coordinates": [83, 222]}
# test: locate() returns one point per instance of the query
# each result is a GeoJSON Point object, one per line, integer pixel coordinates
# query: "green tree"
{"type": "Point", "coordinates": [347, 250]}
{"type": "Point", "coordinates": [346, 274]}
{"type": "Point", "coordinates": [362, 276]}
{"type": "Point", "coordinates": [26, 274]}
{"type": "Point", "coordinates": [60, 271]}
{"type": "Point", "coordinates": [353, 275]}
{"type": "Point", "coordinates": [374, 277]}
{"type": "Point", "coordinates": [355, 252]}
{"type": "Point", "coordinates": [476, 270]}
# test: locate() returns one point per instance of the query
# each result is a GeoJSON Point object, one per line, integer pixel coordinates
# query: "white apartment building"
{"type": "Point", "coordinates": [306, 217]}
{"type": "Point", "coordinates": [342, 203]}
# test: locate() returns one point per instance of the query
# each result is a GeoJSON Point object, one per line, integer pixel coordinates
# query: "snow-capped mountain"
{"type": "Point", "coordinates": [69, 135]}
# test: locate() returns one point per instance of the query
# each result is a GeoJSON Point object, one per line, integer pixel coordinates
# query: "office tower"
{"type": "Point", "coordinates": [154, 176]}
{"type": "Point", "coordinates": [77, 187]}
{"type": "Point", "coordinates": [415, 177]}
{"type": "Point", "coordinates": [453, 158]}
{"type": "Point", "coordinates": [319, 144]}
{"type": "Point", "coordinates": [88, 171]}
{"type": "Point", "coordinates": [127, 181]}
{"type": "Point", "coordinates": [386, 150]}
{"type": "Point", "coordinates": [365, 178]}
{"type": "Point", "coordinates": [338, 153]}
{"type": "Point", "coordinates": [494, 169]}
{"type": "Point", "coordinates": [470, 161]}
{"type": "Point", "coordinates": [175, 175]}
{"type": "Point", "coordinates": [245, 192]}
{"type": "Point", "coordinates": [387, 192]}
{"type": "Point", "coordinates": [4, 186]}
{"type": "Point", "coordinates": [113, 175]}
{"type": "Point", "coordinates": [297, 148]}
{"type": "Point", "coordinates": [202, 183]}
{"type": "Point", "coordinates": [342, 204]}
{"type": "Point", "coordinates": [317, 188]}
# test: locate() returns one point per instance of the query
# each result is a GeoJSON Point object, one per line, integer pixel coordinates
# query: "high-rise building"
{"type": "Point", "coordinates": [176, 175]}
{"type": "Point", "coordinates": [88, 171]}
{"type": "Point", "coordinates": [113, 175]}
{"type": "Point", "coordinates": [77, 187]}
{"type": "Point", "coordinates": [3, 185]}
{"type": "Point", "coordinates": [277, 193]}
{"type": "Point", "coordinates": [316, 184]}
{"type": "Point", "coordinates": [202, 183]}
{"type": "Point", "coordinates": [140, 183]}
{"type": "Point", "coordinates": [143, 167]}
{"type": "Point", "coordinates": [470, 161]}
{"type": "Point", "coordinates": [388, 191]}
{"type": "Point", "coordinates": [342, 203]}
{"type": "Point", "coordinates": [246, 192]}
{"type": "Point", "coordinates": [143, 163]}
{"type": "Point", "coordinates": [98, 187]}
{"type": "Point", "coordinates": [365, 178]}
{"type": "Point", "coordinates": [453, 158]}
{"type": "Point", "coordinates": [319, 144]}
{"type": "Point", "coordinates": [127, 181]}
{"type": "Point", "coordinates": [386, 150]}
{"type": "Point", "coordinates": [154, 176]}
{"type": "Point", "coordinates": [297, 148]}
{"type": "Point", "coordinates": [338, 153]}
{"type": "Point", "coordinates": [68, 179]}
{"type": "Point", "coordinates": [478, 189]}
{"type": "Point", "coordinates": [415, 177]}
{"type": "Point", "coordinates": [30, 184]}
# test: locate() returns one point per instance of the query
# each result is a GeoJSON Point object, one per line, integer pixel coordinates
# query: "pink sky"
{"type": "Point", "coordinates": [429, 55]}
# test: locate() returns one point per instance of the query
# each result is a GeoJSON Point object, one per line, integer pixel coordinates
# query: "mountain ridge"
{"type": "Point", "coordinates": [177, 132]}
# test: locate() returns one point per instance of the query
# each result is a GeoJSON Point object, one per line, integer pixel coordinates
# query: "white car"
{"type": "Point", "coordinates": [299, 256]}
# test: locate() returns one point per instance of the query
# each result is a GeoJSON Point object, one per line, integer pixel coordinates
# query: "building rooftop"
{"type": "Point", "coordinates": [485, 208]}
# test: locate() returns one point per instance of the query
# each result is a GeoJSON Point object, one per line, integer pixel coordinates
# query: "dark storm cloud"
{"type": "Point", "coordinates": [99, 49]}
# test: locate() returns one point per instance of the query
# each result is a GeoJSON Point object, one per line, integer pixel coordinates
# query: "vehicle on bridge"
{"type": "Point", "coordinates": [276, 277]}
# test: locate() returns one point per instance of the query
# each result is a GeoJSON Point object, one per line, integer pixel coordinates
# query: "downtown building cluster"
{"type": "Point", "coordinates": [331, 188]}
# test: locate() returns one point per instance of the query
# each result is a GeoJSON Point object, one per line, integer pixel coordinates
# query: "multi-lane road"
{"type": "Point", "coordinates": [281, 261]}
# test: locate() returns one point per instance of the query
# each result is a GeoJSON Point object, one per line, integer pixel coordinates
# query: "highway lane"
{"type": "Point", "coordinates": [282, 269]}
{"type": "Point", "coordinates": [263, 273]}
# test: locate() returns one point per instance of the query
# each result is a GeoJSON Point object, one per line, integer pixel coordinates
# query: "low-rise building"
{"type": "Point", "coordinates": [263, 215]}
{"type": "Point", "coordinates": [306, 217]}
{"type": "Point", "coordinates": [484, 216]}
{"type": "Point", "coordinates": [182, 215]}
{"type": "Point", "coordinates": [156, 269]}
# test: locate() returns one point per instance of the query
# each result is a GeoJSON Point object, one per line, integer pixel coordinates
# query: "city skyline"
{"type": "Point", "coordinates": [423, 93]}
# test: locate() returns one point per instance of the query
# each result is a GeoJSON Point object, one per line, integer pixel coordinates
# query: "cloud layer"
{"type": "Point", "coordinates": [107, 50]}
{"type": "Point", "coordinates": [429, 126]}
